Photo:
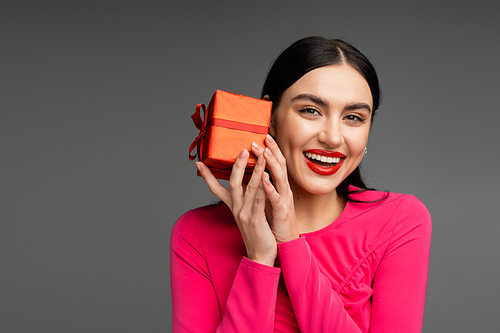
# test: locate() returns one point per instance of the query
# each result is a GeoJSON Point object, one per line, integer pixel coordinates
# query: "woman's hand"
{"type": "Point", "coordinates": [247, 203]}
{"type": "Point", "coordinates": [283, 221]}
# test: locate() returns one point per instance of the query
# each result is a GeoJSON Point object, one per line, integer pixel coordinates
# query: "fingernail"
{"type": "Point", "coordinates": [270, 139]}
{"type": "Point", "coordinates": [260, 160]}
{"type": "Point", "coordinates": [268, 152]}
{"type": "Point", "coordinates": [255, 146]}
{"type": "Point", "coordinates": [265, 178]}
{"type": "Point", "coordinates": [243, 154]}
{"type": "Point", "coordinates": [198, 166]}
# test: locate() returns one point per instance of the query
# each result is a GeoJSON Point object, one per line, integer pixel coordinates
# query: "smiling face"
{"type": "Point", "coordinates": [321, 125]}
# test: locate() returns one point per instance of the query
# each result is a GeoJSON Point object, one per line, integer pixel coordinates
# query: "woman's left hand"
{"type": "Point", "coordinates": [282, 220]}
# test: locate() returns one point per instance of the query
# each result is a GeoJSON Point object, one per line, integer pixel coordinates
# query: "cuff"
{"type": "Point", "coordinates": [260, 267]}
{"type": "Point", "coordinates": [301, 241]}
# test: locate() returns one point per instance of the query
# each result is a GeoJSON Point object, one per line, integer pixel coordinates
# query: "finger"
{"type": "Point", "coordinates": [271, 193]}
{"type": "Point", "coordinates": [259, 203]}
{"type": "Point", "coordinates": [283, 224]}
{"type": "Point", "coordinates": [253, 185]}
{"type": "Point", "coordinates": [236, 178]}
{"type": "Point", "coordinates": [213, 184]}
{"type": "Point", "coordinates": [257, 149]}
{"type": "Point", "coordinates": [273, 146]}
{"type": "Point", "coordinates": [277, 171]}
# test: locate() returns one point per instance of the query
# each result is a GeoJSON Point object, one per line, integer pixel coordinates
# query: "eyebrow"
{"type": "Point", "coordinates": [321, 102]}
{"type": "Point", "coordinates": [312, 98]}
{"type": "Point", "coordinates": [358, 106]}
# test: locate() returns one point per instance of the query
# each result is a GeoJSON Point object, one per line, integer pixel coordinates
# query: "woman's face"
{"type": "Point", "coordinates": [321, 125]}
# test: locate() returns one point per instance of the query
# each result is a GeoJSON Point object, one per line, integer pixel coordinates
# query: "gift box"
{"type": "Point", "coordinates": [230, 124]}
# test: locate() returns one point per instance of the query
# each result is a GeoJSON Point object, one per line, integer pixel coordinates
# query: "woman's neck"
{"type": "Point", "coordinates": [315, 211]}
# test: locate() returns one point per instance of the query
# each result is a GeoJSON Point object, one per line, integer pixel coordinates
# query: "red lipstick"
{"type": "Point", "coordinates": [324, 171]}
{"type": "Point", "coordinates": [326, 153]}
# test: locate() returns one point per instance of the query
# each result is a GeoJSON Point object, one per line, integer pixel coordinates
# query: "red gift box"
{"type": "Point", "coordinates": [230, 124]}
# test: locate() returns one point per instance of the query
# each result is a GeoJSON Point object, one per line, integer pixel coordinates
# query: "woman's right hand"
{"type": "Point", "coordinates": [247, 203]}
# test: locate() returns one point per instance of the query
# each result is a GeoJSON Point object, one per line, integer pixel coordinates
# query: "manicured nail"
{"type": "Point", "coordinates": [198, 166]}
{"type": "Point", "coordinates": [268, 152]}
{"type": "Point", "coordinates": [243, 154]}
{"type": "Point", "coordinates": [270, 139]}
{"type": "Point", "coordinates": [256, 146]}
{"type": "Point", "coordinates": [260, 160]}
{"type": "Point", "coordinates": [265, 177]}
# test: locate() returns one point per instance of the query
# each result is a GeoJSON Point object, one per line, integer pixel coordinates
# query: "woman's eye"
{"type": "Point", "coordinates": [309, 111]}
{"type": "Point", "coordinates": [354, 119]}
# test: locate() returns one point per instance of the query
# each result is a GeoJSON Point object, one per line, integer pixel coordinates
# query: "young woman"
{"type": "Point", "coordinates": [305, 246]}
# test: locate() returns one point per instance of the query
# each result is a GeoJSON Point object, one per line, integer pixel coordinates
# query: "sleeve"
{"type": "Point", "coordinates": [399, 283]}
{"type": "Point", "coordinates": [251, 302]}
{"type": "Point", "coordinates": [317, 306]}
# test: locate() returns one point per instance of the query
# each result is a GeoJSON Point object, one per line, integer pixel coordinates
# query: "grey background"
{"type": "Point", "coordinates": [95, 100]}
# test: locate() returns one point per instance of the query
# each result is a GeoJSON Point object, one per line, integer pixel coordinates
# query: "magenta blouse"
{"type": "Point", "coordinates": [365, 272]}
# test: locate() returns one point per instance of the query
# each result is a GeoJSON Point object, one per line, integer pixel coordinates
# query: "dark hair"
{"type": "Point", "coordinates": [314, 52]}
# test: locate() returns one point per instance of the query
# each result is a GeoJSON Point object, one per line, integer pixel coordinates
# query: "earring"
{"type": "Point", "coordinates": [366, 151]}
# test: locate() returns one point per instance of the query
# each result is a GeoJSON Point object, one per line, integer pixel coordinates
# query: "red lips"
{"type": "Point", "coordinates": [324, 171]}
{"type": "Point", "coordinates": [327, 153]}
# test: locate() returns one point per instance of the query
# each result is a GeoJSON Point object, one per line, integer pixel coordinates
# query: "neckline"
{"type": "Point", "coordinates": [340, 219]}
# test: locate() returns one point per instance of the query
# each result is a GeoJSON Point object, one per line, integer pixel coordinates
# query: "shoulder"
{"type": "Point", "coordinates": [397, 220]}
{"type": "Point", "coordinates": [373, 198]}
{"type": "Point", "coordinates": [207, 222]}
{"type": "Point", "coordinates": [398, 207]}
{"type": "Point", "coordinates": [414, 216]}
{"type": "Point", "coordinates": [195, 218]}
{"type": "Point", "coordinates": [410, 208]}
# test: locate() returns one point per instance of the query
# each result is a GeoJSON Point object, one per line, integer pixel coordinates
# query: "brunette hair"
{"type": "Point", "coordinates": [314, 52]}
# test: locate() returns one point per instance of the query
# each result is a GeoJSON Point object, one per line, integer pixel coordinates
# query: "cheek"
{"type": "Point", "coordinates": [286, 143]}
{"type": "Point", "coordinates": [357, 141]}
{"type": "Point", "coordinates": [292, 136]}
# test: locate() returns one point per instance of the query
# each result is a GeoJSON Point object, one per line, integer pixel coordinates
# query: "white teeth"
{"type": "Point", "coordinates": [322, 158]}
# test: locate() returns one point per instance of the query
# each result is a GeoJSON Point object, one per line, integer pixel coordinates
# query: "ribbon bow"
{"type": "Point", "coordinates": [201, 125]}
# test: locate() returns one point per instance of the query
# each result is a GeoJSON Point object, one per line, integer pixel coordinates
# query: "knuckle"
{"type": "Point", "coordinates": [243, 216]}
{"type": "Point", "coordinates": [258, 200]}
{"type": "Point", "coordinates": [282, 179]}
{"type": "Point", "coordinates": [251, 188]}
{"type": "Point", "coordinates": [278, 200]}
{"type": "Point", "coordinates": [238, 163]}
{"type": "Point", "coordinates": [233, 184]}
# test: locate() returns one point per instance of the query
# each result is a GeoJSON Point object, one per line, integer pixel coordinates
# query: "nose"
{"type": "Point", "coordinates": [331, 134]}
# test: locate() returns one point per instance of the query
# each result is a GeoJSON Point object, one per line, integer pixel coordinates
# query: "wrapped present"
{"type": "Point", "coordinates": [230, 124]}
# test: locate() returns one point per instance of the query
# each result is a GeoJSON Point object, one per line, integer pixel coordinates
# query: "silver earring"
{"type": "Point", "coordinates": [366, 151]}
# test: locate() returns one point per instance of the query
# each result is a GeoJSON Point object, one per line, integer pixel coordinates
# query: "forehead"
{"type": "Point", "coordinates": [338, 84]}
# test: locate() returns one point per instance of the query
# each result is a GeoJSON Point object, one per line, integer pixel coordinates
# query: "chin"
{"type": "Point", "coordinates": [318, 187]}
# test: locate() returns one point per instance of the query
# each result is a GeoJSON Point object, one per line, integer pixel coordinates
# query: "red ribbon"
{"type": "Point", "coordinates": [236, 125]}
{"type": "Point", "coordinates": [202, 126]}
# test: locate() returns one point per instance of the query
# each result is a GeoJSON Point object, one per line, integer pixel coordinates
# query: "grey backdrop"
{"type": "Point", "coordinates": [95, 100]}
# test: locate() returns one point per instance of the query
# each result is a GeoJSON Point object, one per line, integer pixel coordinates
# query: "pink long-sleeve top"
{"type": "Point", "coordinates": [365, 272]}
